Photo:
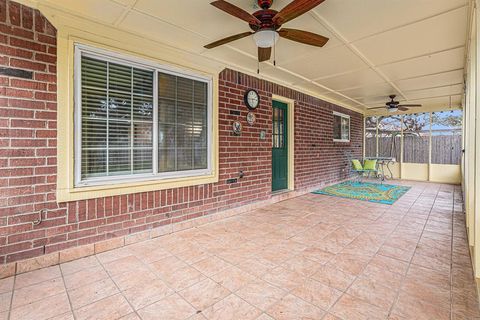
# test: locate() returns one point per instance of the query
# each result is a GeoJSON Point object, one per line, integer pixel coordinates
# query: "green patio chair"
{"type": "Point", "coordinates": [360, 171]}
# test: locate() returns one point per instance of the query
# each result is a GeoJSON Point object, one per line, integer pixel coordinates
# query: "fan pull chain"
{"type": "Point", "coordinates": [274, 55]}
{"type": "Point", "coordinates": [274, 51]}
{"type": "Point", "coordinates": [258, 67]}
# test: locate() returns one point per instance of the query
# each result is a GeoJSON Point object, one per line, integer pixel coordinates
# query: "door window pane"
{"type": "Point", "coordinates": [278, 128]}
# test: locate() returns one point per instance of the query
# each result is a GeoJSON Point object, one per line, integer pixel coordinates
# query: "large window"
{"type": "Point", "coordinates": [138, 121]}
{"type": "Point", "coordinates": [341, 127]}
{"type": "Point", "coordinates": [416, 138]}
{"type": "Point", "coordinates": [447, 137]}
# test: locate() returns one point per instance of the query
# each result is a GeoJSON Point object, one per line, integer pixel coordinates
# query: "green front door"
{"type": "Point", "coordinates": [279, 147]}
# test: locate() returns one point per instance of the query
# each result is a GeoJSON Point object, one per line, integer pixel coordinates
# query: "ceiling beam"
{"type": "Point", "coordinates": [125, 12]}
{"type": "Point", "coordinates": [356, 51]}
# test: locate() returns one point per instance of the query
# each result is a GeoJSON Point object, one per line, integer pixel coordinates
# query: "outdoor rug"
{"type": "Point", "coordinates": [366, 191]}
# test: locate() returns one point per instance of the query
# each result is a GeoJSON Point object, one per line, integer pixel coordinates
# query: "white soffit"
{"type": "Point", "coordinates": [362, 18]}
{"type": "Point", "coordinates": [426, 65]}
{"type": "Point", "coordinates": [412, 48]}
{"type": "Point", "coordinates": [433, 80]}
{"type": "Point", "coordinates": [443, 91]}
{"type": "Point", "coordinates": [348, 80]}
{"type": "Point", "coordinates": [436, 34]}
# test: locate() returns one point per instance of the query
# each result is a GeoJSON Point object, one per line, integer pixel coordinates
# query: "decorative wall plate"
{"type": "Point", "coordinates": [237, 127]}
{"type": "Point", "coordinates": [251, 118]}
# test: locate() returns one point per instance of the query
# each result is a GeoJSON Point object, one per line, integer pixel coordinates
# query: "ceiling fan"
{"type": "Point", "coordinates": [266, 24]}
{"type": "Point", "coordinates": [394, 106]}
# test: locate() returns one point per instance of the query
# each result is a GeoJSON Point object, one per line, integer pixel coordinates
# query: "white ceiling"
{"type": "Point", "coordinates": [412, 48]}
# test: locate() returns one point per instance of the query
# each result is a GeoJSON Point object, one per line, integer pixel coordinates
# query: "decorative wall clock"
{"type": "Point", "coordinates": [252, 99]}
{"type": "Point", "coordinates": [237, 127]}
{"type": "Point", "coordinates": [251, 118]}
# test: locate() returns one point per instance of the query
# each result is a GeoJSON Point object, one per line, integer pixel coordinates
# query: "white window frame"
{"type": "Point", "coordinates": [136, 62]}
{"type": "Point", "coordinates": [345, 116]}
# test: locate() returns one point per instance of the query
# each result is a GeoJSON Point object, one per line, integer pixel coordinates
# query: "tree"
{"type": "Point", "coordinates": [414, 123]}
{"type": "Point", "coordinates": [450, 120]}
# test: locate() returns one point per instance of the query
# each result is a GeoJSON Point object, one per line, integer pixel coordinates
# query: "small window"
{"type": "Point", "coordinates": [341, 127]}
{"type": "Point", "coordinates": [136, 121]}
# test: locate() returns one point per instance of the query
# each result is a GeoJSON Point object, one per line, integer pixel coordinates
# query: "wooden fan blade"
{"type": "Point", "coordinates": [236, 12]}
{"type": "Point", "coordinates": [294, 9]}
{"type": "Point", "coordinates": [410, 105]}
{"type": "Point", "coordinates": [264, 54]}
{"type": "Point", "coordinates": [402, 108]}
{"type": "Point", "coordinates": [228, 39]}
{"type": "Point", "coordinates": [305, 37]}
{"type": "Point", "coordinates": [376, 108]}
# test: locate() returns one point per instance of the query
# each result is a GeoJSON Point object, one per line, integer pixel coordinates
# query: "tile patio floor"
{"type": "Point", "coordinates": [312, 257]}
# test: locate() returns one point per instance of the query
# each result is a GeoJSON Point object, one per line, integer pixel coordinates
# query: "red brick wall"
{"type": "Point", "coordinates": [28, 153]}
{"type": "Point", "coordinates": [27, 133]}
{"type": "Point", "coordinates": [318, 159]}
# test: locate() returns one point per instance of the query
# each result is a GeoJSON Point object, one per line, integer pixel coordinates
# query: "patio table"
{"type": "Point", "coordinates": [382, 163]}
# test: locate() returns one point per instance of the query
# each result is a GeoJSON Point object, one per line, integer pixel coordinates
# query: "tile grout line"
{"type": "Point", "coordinates": [395, 300]}
{"type": "Point", "coordinates": [11, 298]}
{"type": "Point", "coordinates": [344, 292]}
{"type": "Point", "coordinates": [413, 255]}
{"type": "Point", "coordinates": [118, 288]}
{"type": "Point", "coordinates": [231, 292]}
{"type": "Point", "coordinates": [451, 256]}
{"type": "Point", "coordinates": [174, 291]}
{"type": "Point", "coordinates": [11, 308]}
{"type": "Point", "coordinates": [234, 265]}
{"type": "Point", "coordinates": [209, 277]}
{"type": "Point", "coordinates": [327, 310]}
{"type": "Point", "coordinates": [356, 277]}
{"type": "Point", "coordinates": [287, 292]}
{"type": "Point", "coordinates": [66, 291]}
{"type": "Point", "coordinates": [290, 291]}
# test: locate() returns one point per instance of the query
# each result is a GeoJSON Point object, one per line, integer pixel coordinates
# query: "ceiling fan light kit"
{"type": "Point", "coordinates": [266, 38]}
{"type": "Point", "coordinates": [266, 25]}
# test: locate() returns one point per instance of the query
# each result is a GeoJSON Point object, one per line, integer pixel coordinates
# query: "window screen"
{"type": "Point", "coordinates": [371, 136]}
{"type": "Point", "coordinates": [416, 138]}
{"type": "Point", "coordinates": [447, 137]}
{"type": "Point", "coordinates": [389, 137]}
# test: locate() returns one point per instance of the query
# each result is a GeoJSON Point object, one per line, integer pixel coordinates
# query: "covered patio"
{"type": "Point", "coordinates": [296, 259]}
{"type": "Point", "coordinates": [239, 159]}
